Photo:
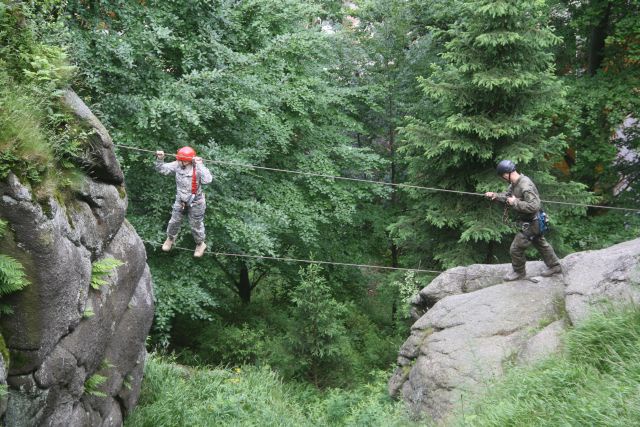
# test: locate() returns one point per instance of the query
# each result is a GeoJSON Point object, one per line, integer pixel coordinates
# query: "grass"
{"type": "Point", "coordinates": [174, 395]}
{"type": "Point", "coordinates": [596, 381]}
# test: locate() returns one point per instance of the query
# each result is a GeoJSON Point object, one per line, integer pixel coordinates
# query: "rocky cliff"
{"type": "Point", "coordinates": [76, 353]}
{"type": "Point", "coordinates": [470, 326]}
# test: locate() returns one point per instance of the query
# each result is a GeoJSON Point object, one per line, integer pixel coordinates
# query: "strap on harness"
{"type": "Point", "coordinates": [194, 185]}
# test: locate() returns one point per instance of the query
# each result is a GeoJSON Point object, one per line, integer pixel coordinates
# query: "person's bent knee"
{"type": "Point", "coordinates": [516, 250]}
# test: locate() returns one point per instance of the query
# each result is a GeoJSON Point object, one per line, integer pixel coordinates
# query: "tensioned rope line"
{"type": "Point", "coordinates": [311, 261]}
{"type": "Point", "coordinates": [390, 184]}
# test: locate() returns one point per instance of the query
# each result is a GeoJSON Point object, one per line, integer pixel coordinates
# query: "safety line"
{"type": "Point", "coordinates": [311, 261]}
{"type": "Point", "coordinates": [306, 261]}
{"type": "Point", "coordinates": [390, 184]}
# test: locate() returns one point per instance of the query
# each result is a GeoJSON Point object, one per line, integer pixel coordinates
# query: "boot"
{"type": "Point", "coordinates": [550, 271]}
{"type": "Point", "coordinates": [514, 275]}
{"type": "Point", "coordinates": [166, 246]}
{"type": "Point", "coordinates": [199, 251]}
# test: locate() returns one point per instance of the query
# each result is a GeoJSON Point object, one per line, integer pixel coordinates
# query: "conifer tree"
{"type": "Point", "coordinates": [319, 337]}
{"type": "Point", "coordinates": [493, 97]}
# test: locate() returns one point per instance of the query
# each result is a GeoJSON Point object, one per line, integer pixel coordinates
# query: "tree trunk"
{"type": "Point", "coordinates": [244, 285]}
{"type": "Point", "coordinates": [597, 39]}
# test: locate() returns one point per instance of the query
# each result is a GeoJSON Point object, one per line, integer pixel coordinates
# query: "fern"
{"type": "Point", "coordinates": [106, 364]}
{"type": "Point", "coordinates": [101, 269]}
{"type": "Point", "coordinates": [12, 275]}
{"type": "Point", "coordinates": [127, 382]}
{"type": "Point", "coordinates": [92, 383]}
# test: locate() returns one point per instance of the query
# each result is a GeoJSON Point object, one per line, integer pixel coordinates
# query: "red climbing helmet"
{"type": "Point", "coordinates": [185, 154]}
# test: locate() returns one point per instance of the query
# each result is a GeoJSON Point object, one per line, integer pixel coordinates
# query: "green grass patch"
{"type": "Point", "coordinates": [594, 382]}
{"type": "Point", "coordinates": [175, 395]}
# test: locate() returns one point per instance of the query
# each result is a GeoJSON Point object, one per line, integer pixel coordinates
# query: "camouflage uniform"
{"type": "Point", "coordinates": [183, 193]}
{"type": "Point", "coordinates": [526, 207]}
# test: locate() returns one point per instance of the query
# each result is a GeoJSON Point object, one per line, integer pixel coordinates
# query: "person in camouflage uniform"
{"type": "Point", "coordinates": [522, 196]}
{"type": "Point", "coordinates": [189, 196]}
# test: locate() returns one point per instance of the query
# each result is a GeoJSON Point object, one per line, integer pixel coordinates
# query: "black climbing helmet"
{"type": "Point", "coordinates": [505, 166]}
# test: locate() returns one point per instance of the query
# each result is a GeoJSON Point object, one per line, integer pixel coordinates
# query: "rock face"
{"type": "Point", "coordinates": [65, 336]}
{"type": "Point", "coordinates": [470, 325]}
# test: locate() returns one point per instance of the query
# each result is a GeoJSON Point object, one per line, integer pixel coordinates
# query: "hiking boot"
{"type": "Point", "coordinates": [514, 275]}
{"type": "Point", "coordinates": [166, 246]}
{"type": "Point", "coordinates": [199, 251]}
{"type": "Point", "coordinates": [550, 271]}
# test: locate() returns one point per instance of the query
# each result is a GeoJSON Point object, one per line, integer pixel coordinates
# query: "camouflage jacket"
{"type": "Point", "coordinates": [528, 203]}
{"type": "Point", "coordinates": [183, 177]}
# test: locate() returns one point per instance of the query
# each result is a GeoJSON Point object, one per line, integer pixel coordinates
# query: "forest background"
{"type": "Point", "coordinates": [428, 93]}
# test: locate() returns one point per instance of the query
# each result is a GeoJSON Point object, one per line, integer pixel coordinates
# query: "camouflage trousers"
{"type": "Point", "coordinates": [521, 242]}
{"type": "Point", "coordinates": [196, 219]}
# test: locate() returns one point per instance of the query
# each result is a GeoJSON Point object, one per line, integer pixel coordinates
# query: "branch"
{"type": "Point", "coordinates": [226, 272]}
{"type": "Point", "coordinates": [255, 282]}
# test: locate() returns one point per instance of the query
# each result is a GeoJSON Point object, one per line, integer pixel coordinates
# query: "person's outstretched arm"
{"type": "Point", "coordinates": [162, 167]}
{"type": "Point", "coordinates": [203, 171]}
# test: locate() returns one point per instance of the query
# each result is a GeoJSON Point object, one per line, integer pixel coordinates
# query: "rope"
{"type": "Point", "coordinates": [369, 181]}
{"type": "Point", "coordinates": [300, 260]}
{"type": "Point", "coordinates": [311, 261]}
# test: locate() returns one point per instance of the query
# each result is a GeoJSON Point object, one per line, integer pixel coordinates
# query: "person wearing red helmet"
{"type": "Point", "coordinates": [190, 174]}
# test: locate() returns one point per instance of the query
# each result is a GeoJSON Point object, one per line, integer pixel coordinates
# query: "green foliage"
{"type": "Point", "coordinates": [594, 383]}
{"type": "Point", "coordinates": [599, 65]}
{"type": "Point", "coordinates": [4, 352]}
{"type": "Point", "coordinates": [254, 83]}
{"type": "Point", "coordinates": [493, 97]}
{"type": "Point", "coordinates": [102, 268]}
{"type": "Point", "coordinates": [12, 277]}
{"type": "Point", "coordinates": [177, 395]}
{"type": "Point", "coordinates": [181, 290]}
{"type": "Point", "coordinates": [602, 231]}
{"type": "Point", "coordinates": [319, 337]}
{"type": "Point", "coordinates": [38, 138]}
{"type": "Point", "coordinates": [92, 385]}
{"type": "Point", "coordinates": [407, 289]}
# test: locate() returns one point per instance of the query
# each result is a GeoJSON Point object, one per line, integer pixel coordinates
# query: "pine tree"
{"type": "Point", "coordinates": [319, 337]}
{"type": "Point", "coordinates": [494, 95]}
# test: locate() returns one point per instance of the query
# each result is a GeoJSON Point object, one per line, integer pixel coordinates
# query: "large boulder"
{"type": "Point", "coordinates": [470, 326]}
{"type": "Point", "coordinates": [466, 339]}
{"type": "Point", "coordinates": [64, 335]}
{"type": "Point", "coordinates": [610, 276]}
